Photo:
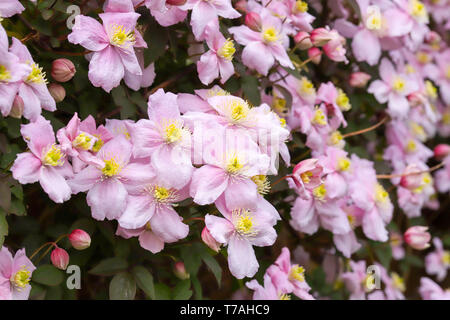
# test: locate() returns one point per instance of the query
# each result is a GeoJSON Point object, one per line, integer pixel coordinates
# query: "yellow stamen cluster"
{"type": "Point", "coordinates": [244, 222]}
{"type": "Point", "coordinates": [172, 133]}
{"type": "Point", "coordinates": [320, 192]}
{"type": "Point", "coordinates": [319, 118]}
{"type": "Point", "coordinates": [279, 105]}
{"type": "Point", "coordinates": [97, 145]}
{"type": "Point", "coordinates": [239, 110]}
{"type": "Point", "coordinates": [300, 7]}
{"type": "Point", "coordinates": [4, 73]}
{"type": "Point", "coordinates": [284, 296]}
{"type": "Point", "coordinates": [418, 9]}
{"type": "Point", "coordinates": [374, 19]}
{"type": "Point", "coordinates": [111, 168]}
{"type": "Point", "coordinates": [398, 282]}
{"type": "Point", "coordinates": [37, 75]}
{"type": "Point", "coordinates": [82, 141]}
{"type": "Point", "coordinates": [423, 57]}
{"type": "Point", "coordinates": [148, 227]}
{"type": "Point", "coordinates": [262, 184]}
{"type": "Point", "coordinates": [297, 273]}
{"type": "Point", "coordinates": [306, 176]}
{"type": "Point", "coordinates": [446, 258]}
{"type": "Point", "coordinates": [418, 131]}
{"type": "Point", "coordinates": [399, 84]}
{"type": "Point", "coordinates": [161, 193]}
{"type": "Point", "coordinates": [409, 69]}
{"type": "Point", "coordinates": [431, 90]}
{"type": "Point", "coordinates": [227, 50]}
{"type": "Point", "coordinates": [270, 35]}
{"type": "Point", "coordinates": [351, 220]}
{"type": "Point", "coordinates": [121, 37]}
{"type": "Point", "coordinates": [22, 278]}
{"type": "Point", "coordinates": [343, 101]}
{"type": "Point", "coordinates": [335, 138]}
{"type": "Point", "coordinates": [234, 165]}
{"type": "Point", "coordinates": [381, 194]}
{"type": "Point", "coordinates": [217, 92]}
{"type": "Point", "coordinates": [53, 157]}
{"type": "Point", "coordinates": [411, 146]}
{"type": "Point", "coordinates": [343, 164]}
{"type": "Point", "coordinates": [307, 87]}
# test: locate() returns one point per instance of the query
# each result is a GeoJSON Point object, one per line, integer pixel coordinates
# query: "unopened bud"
{"type": "Point", "coordinates": [315, 55]}
{"type": "Point", "coordinates": [17, 108]}
{"type": "Point", "coordinates": [80, 239]}
{"type": "Point", "coordinates": [359, 79]}
{"type": "Point", "coordinates": [209, 240]}
{"type": "Point", "coordinates": [253, 21]}
{"type": "Point", "coordinates": [417, 237]}
{"type": "Point", "coordinates": [180, 271]}
{"type": "Point", "coordinates": [60, 258]}
{"type": "Point", "coordinates": [176, 2]}
{"type": "Point", "coordinates": [303, 40]}
{"type": "Point", "coordinates": [57, 91]}
{"type": "Point", "coordinates": [321, 36]}
{"type": "Point", "coordinates": [63, 70]}
{"type": "Point", "coordinates": [441, 151]}
{"type": "Point", "coordinates": [241, 5]}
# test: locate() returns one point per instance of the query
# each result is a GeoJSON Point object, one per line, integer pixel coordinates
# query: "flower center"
{"type": "Point", "coordinates": [97, 145]}
{"type": "Point", "coordinates": [411, 146]}
{"type": "Point", "coordinates": [121, 37]}
{"type": "Point", "coordinates": [431, 89]}
{"type": "Point", "coordinates": [53, 157]}
{"type": "Point", "coordinates": [83, 141]}
{"type": "Point", "coordinates": [21, 278]}
{"type": "Point", "coordinates": [270, 35]}
{"type": "Point", "coordinates": [284, 296]}
{"type": "Point", "coordinates": [234, 165]}
{"type": "Point", "coordinates": [161, 193]}
{"type": "Point", "coordinates": [239, 110]}
{"type": "Point", "coordinates": [297, 273]}
{"type": "Point", "coordinates": [306, 176]}
{"type": "Point", "coordinates": [399, 84]}
{"type": "Point", "coordinates": [4, 73]}
{"type": "Point", "coordinates": [244, 222]}
{"type": "Point", "coordinates": [446, 258]}
{"type": "Point", "coordinates": [374, 20]}
{"type": "Point", "coordinates": [36, 75]}
{"type": "Point", "coordinates": [307, 87]}
{"type": "Point", "coordinates": [381, 194]}
{"type": "Point", "coordinates": [398, 282]}
{"type": "Point", "coordinates": [335, 138]}
{"type": "Point", "coordinates": [418, 9]}
{"type": "Point", "coordinates": [300, 7]}
{"type": "Point", "coordinates": [423, 57]}
{"type": "Point", "coordinates": [320, 192]}
{"type": "Point", "coordinates": [172, 133]}
{"type": "Point", "coordinates": [227, 51]}
{"type": "Point", "coordinates": [262, 183]}
{"type": "Point", "coordinates": [343, 164]}
{"type": "Point", "coordinates": [319, 118]}
{"type": "Point", "coordinates": [111, 168]}
{"type": "Point", "coordinates": [343, 101]}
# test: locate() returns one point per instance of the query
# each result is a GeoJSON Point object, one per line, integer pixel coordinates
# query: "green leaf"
{"type": "Point", "coordinates": [3, 227]}
{"type": "Point", "coordinates": [144, 280]}
{"type": "Point", "coordinates": [214, 266]}
{"type": "Point", "coordinates": [48, 275]}
{"type": "Point", "coordinates": [250, 86]}
{"type": "Point", "coordinates": [384, 254]}
{"type": "Point", "coordinates": [122, 287]}
{"type": "Point", "coordinates": [156, 38]}
{"type": "Point", "coordinates": [109, 267]}
{"type": "Point", "coordinates": [162, 292]}
{"type": "Point", "coordinates": [183, 291]}
{"type": "Point", "coordinates": [5, 194]}
{"type": "Point", "coordinates": [192, 260]}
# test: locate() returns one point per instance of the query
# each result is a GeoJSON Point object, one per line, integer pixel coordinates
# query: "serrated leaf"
{"type": "Point", "coordinates": [144, 280]}
{"type": "Point", "coordinates": [48, 275]}
{"type": "Point", "coordinates": [122, 287]}
{"type": "Point", "coordinates": [109, 267]}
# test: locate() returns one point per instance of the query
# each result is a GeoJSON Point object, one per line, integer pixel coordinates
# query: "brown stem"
{"type": "Point", "coordinates": [390, 176]}
{"type": "Point", "coordinates": [351, 134]}
{"type": "Point", "coordinates": [281, 179]}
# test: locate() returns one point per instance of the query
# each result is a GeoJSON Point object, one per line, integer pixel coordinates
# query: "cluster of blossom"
{"type": "Point", "coordinates": [215, 148]}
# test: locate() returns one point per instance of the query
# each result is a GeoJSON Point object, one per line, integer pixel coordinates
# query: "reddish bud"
{"type": "Point", "coordinates": [441, 151]}
{"type": "Point", "coordinates": [17, 108]}
{"type": "Point", "coordinates": [80, 239]}
{"type": "Point", "coordinates": [176, 2]}
{"type": "Point", "coordinates": [359, 79]}
{"type": "Point", "coordinates": [60, 258]}
{"type": "Point", "coordinates": [315, 55]}
{"type": "Point", "coordinates": [209, 240]}
{"type": "Point", "coordinates": [57, 91]}
{"type": "Point", "coordinates": [303, 40]}
{"type": "Point", "coordinates": [253, 21]}
{"type": "Point", "coordinates": [417, 237]}
{"type": "Point", "coordinates": [241, 5]}
{"type": "Point", "coordinates": [180, 271]}
{"type": "Point", "coordinates": [321, 36]}
{"type": "Point", "coordinates": [63, 70]}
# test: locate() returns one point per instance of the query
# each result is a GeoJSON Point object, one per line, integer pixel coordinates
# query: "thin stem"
{"type": "Point", "coordinates": [139, 4]}
{"type": "Point", "coordinates": [399, 175]}
{"type": "Point", "coordinates": [281, 179]}
{"type": "Point", "coordinates": [39, 249]}
{"type": "Point", "coordinates": [351, 134]}
{"type": "Point", "coordinates": [301, 65]}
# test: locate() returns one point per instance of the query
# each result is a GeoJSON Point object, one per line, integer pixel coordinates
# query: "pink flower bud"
{"type": "Point", "coordinates": [80, 239]}
{"type": "Point", "coordinates": [441, 151]}
{"type": "Point", "coordinates": [180, 271]}
{"type": "Point", "coordinates": [416, 98]}
{"type": "Point", "coordinates": [253, 21]}
{"type": "Point", "coordinates": [417, 237]}
{"type": "Point", "coordinates": [176, 2]}
{"type": "Point", "coordinates": [303, 40]}
{"type": "Point", "coordinates": [17, 108]}
{"type": "Point", "coordinates": [412, 178]}
{"type": "Point", "coordinates": [241, 5]}
{"type": "Point", "coordinates": [60, 258]}
{"type": "Point", "coordinates": [57, 91]}
{"type": "Point", "coordinates": [359, 79]}
{"type": "Point", "coordinates": [63, 70]}
{"type": "Point", "coordinates": [321, 36]}
{"type": "Point", "coordinates": [315, 55]}
{"type": "Point", "coordinates": [209, 240]}
{"type": "Point", "coordinates": [433, 37]}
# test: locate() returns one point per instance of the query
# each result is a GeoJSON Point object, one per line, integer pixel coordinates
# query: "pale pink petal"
{"type": "Point", "coordinates": [138, 212]}
{"type": "Point", "coordinates": [168, 225]}
{"type": "Point", "coordinates": [26, 168]}
{"type": "Point", "coordinates": [208, 183]}
{"type": "Point", "coordinates": [257, 56]}
{"type": "Point", "coordinates": [366, 47]}
{"type": "Point", "coordinates": [54, 184]}
{"type": "Point", "coordinates": [106, 69]}
{"type": "Point", "coordinates": [151, 242]}
{"type": "Point", "coordinates": [221, 229]}
{"type": "Point", "coordinates": [107, 199]}
{"type": "Point", "coordinates": [241, 258]}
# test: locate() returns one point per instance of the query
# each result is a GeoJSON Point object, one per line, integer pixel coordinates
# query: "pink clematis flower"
{"type": "Point", "coordinates": [165, 139]}
{"type": "Point", "coordinates": [266, 292]}
{"type": "Point", "coordinates": [393, 88]}
{"type": "Point", "coordinates": [8, 8]}
{"type": "Point", "coordinates": [15, 275]}
{"type": "Point", "coordinates": [438, 262]}
{"type": "Point", "coordinates": [33, 87]}
{"type": "Point", "coordinates": [45, 162]}
{"type": "Point", "coordinates": [218, 59]}
{"type": "Point", "coordinates": [430, 290]}
{"type": "Point", "coordinates": [241, 229]}
{"type": "Point", "coordinates": [336, 101]}
{"type": "Point", "coordinates": [112, 44]}
{"type": "Point", "coordinates": [289, 278]}
{"type": "Point", "coordinates": [108, 183]}
{"type": "Point", "coordinates": [264, 47]}
{"type": "Point", "coordinates": [147, 238]}
{"type": "Point", "coordinates": [205, 11]}
{"type": "Point", "coordinates": [166, 12]}
{"type": "Point", "coordinates": [307, 175]}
